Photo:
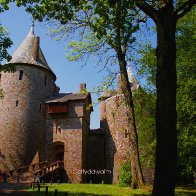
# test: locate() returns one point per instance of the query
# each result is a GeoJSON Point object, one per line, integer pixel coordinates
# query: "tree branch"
{"type": "Point", "coordinates": [147, 9]}
{"type": "Point", "coordinates": [184, 8]}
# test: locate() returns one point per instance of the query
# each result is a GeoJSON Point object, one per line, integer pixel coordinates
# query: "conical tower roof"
{"type": "Point", "coordinates": [29, 52]}
{"type": "Point", "coordinates": [134, 84]}
{"type": "Point", "coordinates": [132, 79]}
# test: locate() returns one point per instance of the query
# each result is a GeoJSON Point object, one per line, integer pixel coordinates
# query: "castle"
{"type": "Point", "coordinates": [37, 123]}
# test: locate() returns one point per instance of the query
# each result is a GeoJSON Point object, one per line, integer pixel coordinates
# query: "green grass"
{"type": "Point", "coordinates": [100, 189]}
{"type": "Point", "coordinates": [184, 191]}
{"type": "Point", "coordinates": [90, 190]}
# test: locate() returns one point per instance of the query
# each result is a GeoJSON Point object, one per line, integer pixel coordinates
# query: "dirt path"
{"type": "Point", "coordinates": [14, 189]}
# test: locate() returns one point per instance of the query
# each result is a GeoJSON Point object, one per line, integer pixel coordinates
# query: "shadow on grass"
{"type": "Point", "coordinates": [51, 193]}
{"type": "Point", "coordinates": [85, 194]}
{"type": "Point", "coordinates": [77, 191]}
{"type": "Point", "coordinates": [90, 194]}
{"type": "Point", "coordinates": [184, 193]}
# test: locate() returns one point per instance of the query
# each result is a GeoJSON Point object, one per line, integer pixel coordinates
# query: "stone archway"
{"type": "Point", "coordinates": [57, 151]}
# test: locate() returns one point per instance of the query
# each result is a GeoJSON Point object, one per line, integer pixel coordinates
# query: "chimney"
{"type": "Point", "coordinates": [35, 51]}
{"type": "Point", "coordinates": [82, 87]}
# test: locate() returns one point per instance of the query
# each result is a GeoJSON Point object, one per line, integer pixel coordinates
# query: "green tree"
{"type": "Point", "coordinates": [145, 103]}
{"type": "Point", "coordinates": [185, 38]}
{"type": "Point", "coordinates": [5, 43]}
{"type": "Point", "coordinates": [186, 72]}
{"type": "Point", "coordinates": [165, 14]}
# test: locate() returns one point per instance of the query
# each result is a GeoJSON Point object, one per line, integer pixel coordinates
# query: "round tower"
{"type": "Point", "coordinates": [114, 121]}
{"type": "Point", "coordinates": [22, 112]}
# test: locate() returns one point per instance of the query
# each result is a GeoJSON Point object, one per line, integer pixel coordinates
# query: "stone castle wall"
{"type": "Point", "coordinates": [114, 122]}
{"type": "Point", "coordinates": [73, 134]}
{"type": "Point", "coordinates": [22, 115]}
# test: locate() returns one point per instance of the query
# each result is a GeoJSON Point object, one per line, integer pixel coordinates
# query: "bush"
{"type": "Point", "coordinates": [125, 174]}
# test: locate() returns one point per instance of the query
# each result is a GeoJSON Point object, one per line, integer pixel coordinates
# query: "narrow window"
{"type": "Point", "coordinates": [58, 128]}
{"type": "Point", "coordinates": [40, 107]}
{"type": "Point", "coordinates": [104, 107]}
{"type": "Point", "coordinates": [17, 103]}
{"type": "Point", "coordinates": [45, 80]}
{"type": "Point", "coordinates": [117, 101]}
{"type": "Point", "coordinates": [21, 75]}
{"type": "Point", "coordinates": [126, 133]}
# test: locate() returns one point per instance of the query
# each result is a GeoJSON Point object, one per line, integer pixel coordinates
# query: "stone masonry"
{"type": "Point", "coordinates": [22, 116]}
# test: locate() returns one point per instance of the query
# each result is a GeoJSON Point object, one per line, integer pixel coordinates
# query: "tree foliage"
{"type": "Point", "coordinates": [125, 174]}
{"type": "Point", "coordinates": [165, 14]}
{"type": "Point", "coordinates": [145, 103]}
{"type": "Point", "coordinates": [5, 43]}
{"type": "Point", "coordinates": [186, 43]}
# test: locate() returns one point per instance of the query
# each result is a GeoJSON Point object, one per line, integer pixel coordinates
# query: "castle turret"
{"type": "Point", "coordinates": [134, 84]}
{"type": "Point", "coordinates": [132, 79]}
{"type": "Point", "coordinates": [114, 122]}
{"type": "Point", "coordinates": [22, 114]}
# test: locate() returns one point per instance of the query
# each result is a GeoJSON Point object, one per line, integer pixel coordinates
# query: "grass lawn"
{"type": "Point", "coordinates": [100, 189]}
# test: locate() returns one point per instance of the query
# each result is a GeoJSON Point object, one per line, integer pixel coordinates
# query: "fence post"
{"type": "Point", "coordinates": [46, 193]}
{"type": "Point", "coordinates": [38, 187]}
{"type": "Point", "coordinates": [55, 192]}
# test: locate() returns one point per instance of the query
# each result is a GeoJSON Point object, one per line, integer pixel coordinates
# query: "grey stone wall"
{"type": "Point", "coordinates": [74, 126]}
{"type": "Point", "coordinates": [22, 115]}
{"type": "Point", "coordinates": [114, 122]}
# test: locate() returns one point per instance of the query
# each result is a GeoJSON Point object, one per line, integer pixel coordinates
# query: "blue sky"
{"type": "Point", "coordinates": [69, 74]}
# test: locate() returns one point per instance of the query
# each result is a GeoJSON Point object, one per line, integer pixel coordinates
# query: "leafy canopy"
{"type": "Point", "coordinates": [112, 22]}
{"type": "Point", "coordinates": [5, 43]}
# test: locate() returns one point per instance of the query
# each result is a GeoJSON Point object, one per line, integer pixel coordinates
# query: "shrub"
{"type": "Point", "coordinates": [125, 174]}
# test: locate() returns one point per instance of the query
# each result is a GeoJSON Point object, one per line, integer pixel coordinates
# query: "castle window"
{"type": "Point", "coordinates": [17, 103]}
{"type": "Point", "coordinates": [126, 133]}
{"type": "Point", "coordinates": [61, 108]}
{"type": "Point", "coordinates": [21, 75]}
{"type": "Point", "coordinates": [117, 101]}
{"type": "Point", "coordinates": [45, 79]}
{"type": "Point", "coordinates": [58, 128]}
{"type": "Point", "coordinates": [40, 107]}
{"type": "Point", "coordinates": [104, 107]}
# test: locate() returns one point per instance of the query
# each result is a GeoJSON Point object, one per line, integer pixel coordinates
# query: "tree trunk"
{"type": "Point", "coordinates": [137, 177]}
{"type": "Point", "coordinates": [166, 150]}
